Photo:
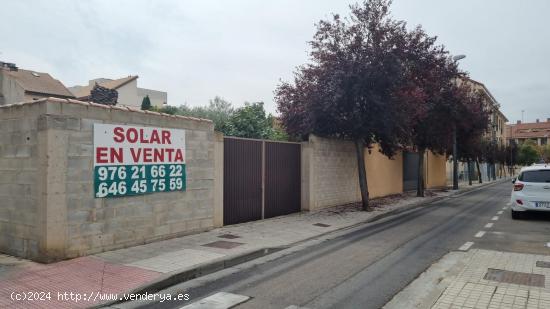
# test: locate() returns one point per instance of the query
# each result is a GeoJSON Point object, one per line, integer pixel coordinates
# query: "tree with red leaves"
{"type": "Point", "coordinates": [349, 88]}
{"type": "Point", "coordinates": [431, 81]}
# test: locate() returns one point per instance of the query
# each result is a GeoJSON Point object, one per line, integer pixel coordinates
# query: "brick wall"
{"type": "Point", "coordinates": [69, 221]}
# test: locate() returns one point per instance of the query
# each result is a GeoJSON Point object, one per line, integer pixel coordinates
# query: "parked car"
{"type": "Point", "coordinates": [531, 190]}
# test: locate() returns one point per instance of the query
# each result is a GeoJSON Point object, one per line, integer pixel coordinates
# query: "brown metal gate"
{"type": "Point", "coordinates": [262, 179]}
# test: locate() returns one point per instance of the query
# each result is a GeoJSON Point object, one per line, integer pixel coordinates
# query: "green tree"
{"type": "Point", "coordinates": [146, 103]}
{"type": "Point", "coordinates": [545, 151]}
{"type": "Point", "coordinates": [218, 110]}
{"type": "Point", "coordinates": [251, 121]}
{"type": "Point", "coordinates": [528, 154]}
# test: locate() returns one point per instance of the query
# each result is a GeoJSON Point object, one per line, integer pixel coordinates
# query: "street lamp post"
{"type": "Point", "coordinates": [455, 161]}
{"type": "Point", "coordinates": [455, 148]}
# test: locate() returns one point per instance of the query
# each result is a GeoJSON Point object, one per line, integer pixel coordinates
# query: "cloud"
{"type": "Point", "coordinates": [240, 49]}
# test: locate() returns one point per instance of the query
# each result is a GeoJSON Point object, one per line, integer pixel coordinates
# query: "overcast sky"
{"type": "Point", "coordinates": [240, 50]}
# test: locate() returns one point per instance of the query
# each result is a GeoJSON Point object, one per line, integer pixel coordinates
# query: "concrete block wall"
{"type": "Point", "coordinates": [19, 186]}
{"type": "Point", "coordinates": [70, 221]}
{"type": "Point", "coordinates": [329, 172]}
{"type": "Point", "coordinates": [330, 176]}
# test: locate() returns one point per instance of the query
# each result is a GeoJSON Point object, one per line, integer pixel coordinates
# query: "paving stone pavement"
{"type": "Point", "coordinates": [470, 289]}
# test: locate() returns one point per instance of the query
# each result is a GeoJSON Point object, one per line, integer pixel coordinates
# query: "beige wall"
{"type": "Point", "coordinates": [46, 183]}
{"type": "Point", "coordinates": [127, 95]}
{"type": "Point", "coordinates": [436, 170]}
{"type": "Point", "coordinates": [11, 91]}
{"type": "Point", "coordinates": [157, 98]}
{"type": "Point", "coordinates": [384, 175]}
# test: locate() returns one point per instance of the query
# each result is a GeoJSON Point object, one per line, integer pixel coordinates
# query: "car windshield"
{"type": "Point", "coordinates": [535, 176]}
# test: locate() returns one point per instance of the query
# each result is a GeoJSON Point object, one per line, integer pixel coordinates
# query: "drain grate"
{"type": "Point", "coordinates": [506, 276]}
{"type": "Point", "coordinates": [543, 264]}
{"type": "Point", "coordinates": [222, 244]}
{"type": "Point", "coordinates": [321, 224]}
{"type": "Point", "coordinates": [229, 236]}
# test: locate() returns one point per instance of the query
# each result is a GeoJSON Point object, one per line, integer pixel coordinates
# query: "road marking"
{"type": "Point", "coordinates": [548, 244]}
{"type": "Point", "coordinates": [295, 307]}
{"type": "Point", "coordinates": [504, 208]}
{"type": "Point", "coordinates": [495, 218]}
{"type": "Point", "coordinates": [509, 203]}
{"type": "Point", "coordinates": [480, 234]}
{"type": "Point", "coordinates": [489, 225]}
{"type": "Point", "coordinates": [499, 213]}
{"type": "Point", "coordinates": [220, 300]}
{"type": "Point", "coordinates": [466, 246]}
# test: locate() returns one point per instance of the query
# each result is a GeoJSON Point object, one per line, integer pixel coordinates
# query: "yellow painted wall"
{"type": "Point", "coordinates": [436, 175]}
{"type": "Point", "coordinates": [384, 175]}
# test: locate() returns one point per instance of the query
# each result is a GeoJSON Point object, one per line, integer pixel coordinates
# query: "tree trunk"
{"type": "Point", "coordinates": [478, 172]}
{"type": "Point", "coordinates": [468, 162]}
{"type": "Point", "coordinates": [360, 151]}
{"type": "Point", "coordinates": [420, 179]}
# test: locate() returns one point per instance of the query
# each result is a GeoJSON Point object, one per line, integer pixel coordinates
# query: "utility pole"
{"type": "Point", "coordinates": [455, 160]}
{"type": "Point", "coordinates": [455, 148]}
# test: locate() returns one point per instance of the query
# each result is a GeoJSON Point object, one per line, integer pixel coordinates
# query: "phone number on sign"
{"type": "Point", "coordinates": [121, 180]}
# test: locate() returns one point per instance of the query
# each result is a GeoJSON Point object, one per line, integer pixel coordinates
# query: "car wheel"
{"type": "Point", "coordinates": [516, 215]}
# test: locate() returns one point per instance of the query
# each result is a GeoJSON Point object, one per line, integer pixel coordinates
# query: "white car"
{"type": "Point", "coordinates": [531, 190]}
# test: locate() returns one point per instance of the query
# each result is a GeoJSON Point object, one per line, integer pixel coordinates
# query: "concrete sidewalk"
{"type": "Point", "coordinates": [104, 277]}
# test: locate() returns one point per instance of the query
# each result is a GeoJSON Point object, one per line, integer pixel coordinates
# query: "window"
{"type": "Point", "coordinates": [535, 176]}
{"type": "Point", "coordinates": [544, 140]}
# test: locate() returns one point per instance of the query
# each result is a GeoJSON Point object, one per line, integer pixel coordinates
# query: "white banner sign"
{"type": "Point", "coordinates": [130, 145]}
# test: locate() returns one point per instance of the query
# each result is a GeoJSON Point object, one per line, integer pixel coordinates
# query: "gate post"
{"type": "Point", "coordinates": [218, 179]}
{"type": "Point", "coordinates": [263, 179]}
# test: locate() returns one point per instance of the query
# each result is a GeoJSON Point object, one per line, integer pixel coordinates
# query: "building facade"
{"type": "Point", "coordinates": [19, 85]}
{"type": "Point", "coordinates": [129, 94]}
{"type": "Point", "coordinates": [497, 121]}
{"type": "Point", "coordinates": [538, 131]}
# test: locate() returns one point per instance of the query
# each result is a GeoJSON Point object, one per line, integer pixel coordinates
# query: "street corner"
{"type": "Point", "coordinates": [77, 283]}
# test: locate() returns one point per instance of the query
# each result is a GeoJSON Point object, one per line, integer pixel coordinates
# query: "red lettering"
{"type": "Point", "coordinates": [169, 151]}
{"type": "Point", "coordinates": [101, 155]}
{"type": "Point", "coordinates": [135, 156]}
{"type": "Point", "coordinates": [158, 155]}
{"type": "Point", "coordinates": [142, 137]}
{"type": "Point", "coordinates": [155, 137]}
{"type": "Point", "coordinates": [116, 155]}
{"type": "Point", "coordinates": [132, 135]}
{"type": "Point", "coordinates": [166, 137]}
{"type": "Point", "coordinates": [179, 156]}
{"type": "Point", "coordinates": [147, 154]}
{"type": "Point", "coordinates": [119, 134]}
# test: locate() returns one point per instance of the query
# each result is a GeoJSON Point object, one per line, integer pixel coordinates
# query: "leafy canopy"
{"type": "Point", "coordinates": [249, 121]}
{"type": "Point", "coordinates": [348, 90]}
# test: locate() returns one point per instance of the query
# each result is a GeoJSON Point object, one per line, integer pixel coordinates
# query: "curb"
{"type": "Point", "coordinates": [200, 270]}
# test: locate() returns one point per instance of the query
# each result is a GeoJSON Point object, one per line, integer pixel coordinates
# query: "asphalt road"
{"type": "Point", "coordinates": [366, 267]}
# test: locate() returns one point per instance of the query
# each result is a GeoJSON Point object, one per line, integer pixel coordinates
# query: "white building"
{"type": "Point", "coordinates": [128, 92]}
